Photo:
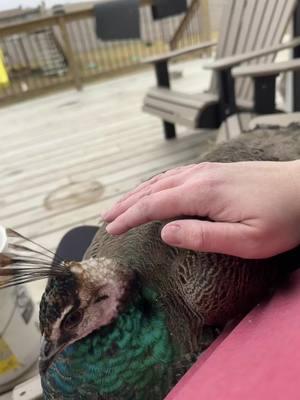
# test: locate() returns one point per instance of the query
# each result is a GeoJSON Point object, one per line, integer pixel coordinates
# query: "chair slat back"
{"type": "Point", "coordinates": [229, 28]}
{"type": "Point", "coordinates": [250, 25]}
{"type": "Point", "coordinates": [262, 16]}
{"type": "Point", "coordinates": [233, 30]}
{"type": "Point", "coordinates": [251, 21]}
{"type": "Point", "coordinates": [271, 34]}
{"type": "Point", "coordinates": [224, 29]}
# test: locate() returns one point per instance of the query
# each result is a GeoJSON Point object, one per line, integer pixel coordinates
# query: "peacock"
{"type": "Point", "coordinates": [130, 319]}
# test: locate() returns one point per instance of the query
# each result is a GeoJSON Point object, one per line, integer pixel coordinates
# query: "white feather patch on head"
{"type": "Point", "coordinates": [104, 277]}
{"type": "Point", "coordinates": [55, 333]}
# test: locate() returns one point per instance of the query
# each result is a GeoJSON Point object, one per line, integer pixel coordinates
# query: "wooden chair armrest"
{"type": "Point", "coordinates": [266, 69]}
{"type": "Point", "coordinates": [229, 62]}
{"type": "Point", "coordinates": [177, 53]}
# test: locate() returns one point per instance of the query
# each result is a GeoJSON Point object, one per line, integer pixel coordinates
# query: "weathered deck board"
{"type": "Point", "coordinates": [111, 177]}
{"type": "Point", "coordinates": [99, 135]}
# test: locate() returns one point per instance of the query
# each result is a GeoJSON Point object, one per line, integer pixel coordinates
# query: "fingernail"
{"type": "Point", "coordinates": [172, 234]}
{"type": "Point", "coordinates": [106, 216]}
{"type": "Point", "coordinates": [110, 229]}
{"type": "Point", "coordinates": [115, 228]}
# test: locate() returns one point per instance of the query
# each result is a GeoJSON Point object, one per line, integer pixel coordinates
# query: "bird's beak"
{"type": "Point", "coordinates": [48, 352]}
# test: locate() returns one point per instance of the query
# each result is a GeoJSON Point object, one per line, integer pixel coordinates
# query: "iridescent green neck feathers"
{"type": "Point", "coordinates": [130, 359]}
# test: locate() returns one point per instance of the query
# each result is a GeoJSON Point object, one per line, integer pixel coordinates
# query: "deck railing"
{"type": "Point", "coordinates": [62, 50]}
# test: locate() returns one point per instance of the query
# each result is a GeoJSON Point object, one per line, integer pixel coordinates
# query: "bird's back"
{"type": "Point", "coordinates": [203, 289]}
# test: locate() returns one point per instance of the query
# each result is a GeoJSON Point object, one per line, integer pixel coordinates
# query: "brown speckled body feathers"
{"type": "Point", "coordinates": [200, 290]}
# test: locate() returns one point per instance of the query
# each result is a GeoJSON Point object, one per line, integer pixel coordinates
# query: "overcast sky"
{"type": "Point", "coordinates": [7, 4]}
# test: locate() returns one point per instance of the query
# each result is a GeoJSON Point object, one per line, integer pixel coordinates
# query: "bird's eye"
{"type": "Point", "coordinates": [101, 298]}
{"type": "Point", "coordinates": [72, 319]}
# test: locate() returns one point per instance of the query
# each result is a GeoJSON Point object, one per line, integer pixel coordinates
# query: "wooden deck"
{"type": "Point", "coordinates": [67, 157]}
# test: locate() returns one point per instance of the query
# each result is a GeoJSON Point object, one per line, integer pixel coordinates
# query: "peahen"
{"type": "Point", "coordinates": [129, 320]}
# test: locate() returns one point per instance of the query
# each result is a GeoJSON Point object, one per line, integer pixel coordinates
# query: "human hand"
{"type": "Point", "coordinates": [255, 207]}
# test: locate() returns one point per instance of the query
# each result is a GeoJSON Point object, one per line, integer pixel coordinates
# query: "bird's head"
{"type": "Point", "coordinates": [80, 297]}
{"type": "Point", "coordinates": [72, 307]}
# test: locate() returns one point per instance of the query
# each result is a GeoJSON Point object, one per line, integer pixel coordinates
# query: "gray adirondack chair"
{"type": "Point", "coordinates": [268, 73]}
{"type": "Point", "coordinates": [252, 33]}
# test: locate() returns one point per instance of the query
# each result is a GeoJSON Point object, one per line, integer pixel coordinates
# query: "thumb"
{"type": "Point", "coordinates": [217, 237]}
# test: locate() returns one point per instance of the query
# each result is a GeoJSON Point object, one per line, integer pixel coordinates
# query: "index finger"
{"type": "Point", "coordinates": [158, 182]}
{"type": "Point", "coordinates": [162, 205]}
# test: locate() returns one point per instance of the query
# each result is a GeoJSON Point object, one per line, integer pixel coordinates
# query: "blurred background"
{"type": "Point", "coordinates": [73, 137]}
{"type": "Point", "coordinates": [80, 139]}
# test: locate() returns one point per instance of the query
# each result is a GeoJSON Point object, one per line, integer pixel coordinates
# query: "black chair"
{"type": "Point", "coordinates": [74, 244]}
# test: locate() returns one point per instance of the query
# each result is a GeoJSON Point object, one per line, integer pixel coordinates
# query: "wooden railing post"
{"type": "Point", "coordinates": [197, 6]}
{"type": "Point", "coordinates": [69, 53]}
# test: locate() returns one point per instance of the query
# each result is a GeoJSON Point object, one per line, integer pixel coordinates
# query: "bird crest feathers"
{"type": "Point", "coordinates": [23, 263]}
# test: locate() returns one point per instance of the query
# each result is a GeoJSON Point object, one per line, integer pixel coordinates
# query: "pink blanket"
{"type": "Point", "coordinates": [258, 360]}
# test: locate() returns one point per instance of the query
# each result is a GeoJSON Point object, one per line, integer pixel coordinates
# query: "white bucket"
{"type": "Point", "coordinates": [19, 335]}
